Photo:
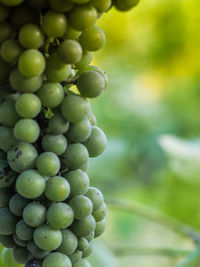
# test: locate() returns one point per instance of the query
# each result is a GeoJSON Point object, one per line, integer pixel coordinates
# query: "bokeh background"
{"type": "Point", "coordinates": [151, 115]}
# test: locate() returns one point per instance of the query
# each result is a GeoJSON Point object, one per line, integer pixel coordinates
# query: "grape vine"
{"type": "Point", "coordinates": [49, 213]}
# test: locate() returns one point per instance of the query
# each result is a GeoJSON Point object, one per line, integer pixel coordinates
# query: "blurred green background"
{"type": "Point", "coordinates": [151, 116]}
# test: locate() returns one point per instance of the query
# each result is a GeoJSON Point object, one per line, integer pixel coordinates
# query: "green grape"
{"type": "Point", "coordinates": [71, 33]}
{"type": "Point", "coordinates": [82, 17]}
{"type": "Point", "coordinates": [96, 143]}
{"type": "Point", "coordinates": [75, 108]}
{"type": "Point", "coordinates": [57, 71]}
{"type": "Point", "coordinates": [31, 36]}
{"type": "Point", "coordinates": [11, 50]}
{"type": "Point", "coordinates": [22, 157]}
{"type": "Point", "coordinates": [7, 241]}
{"type": "Point", "coordinates": [5, 195]}
{"type": "Point", "coordinates": [7, 258]}
{"type": "Point", "coordinates": [80, 2]}
{"type": "Point", "coordinates": [23, 231]}
{"type": "Point", "coordinates": [92, 119]}
{"type": "Point", "coordinates": [8, 114]}
{"type": "Point", "coordinates": [56, 259]}
{"type": "Point", "coordinates": [31, 63]}
{"type": "Point", "coordinates": [75, 156]}
{"type": "Point", "coordinates": [30, 184]}
{"type": "Point", "coordinates": [61, 6]}
{"type": "Point", "coordinates": [90, 237]}
{"type": "Point", "coordinates": [54, 24]}
{"type": "Point", "coordinates": [57, 189]}
{"type": "Point", "coordinates": [51, 94]}
{"type": "Point", "coordinates": [80, 131]}
{"type": "Point", "coordinates": [48, 164]}
{"type": "Point", "coordinates": [8, 222]}
{"type": "Point", "coordinates": [125, 5]}
{"type": "Point", "coordinates": [17, 204]}
{"type": "Point", "coordinates": [100, 214]}
{"type": "Point", "coordinates": [85, 226]}
{"type": "Point", "coordinates": [92, 39]}
{"type": "Point", "coordinates": [82, 207]}
{"type": "Point", "coordinates": [69, 51]}
{"type": "Point", "coordinates": [7, 176]}
{"type": "Point", "coordinates": [7, 140]}
{"type": "Point", "coordinates": [34, 214]}
{"type": "Point", "coordinates": [101, 6]}
{"type": "Point", "coordinates": [79, 182]}
{"type": "Point", "coordinates": [4, 12]}
{"type": "Point", "coordinates": [60, 215]}
{"type": "Point", "coordinates": [22, 15]}
{"type": "Point", "coordinates": [12, 2]}
{"type": "Point", "coordinates": [19, 242]}
{"type": "Point", "coordinates": [27, 130]}
{"type": "Point", "coordinates": [57, 125]}
{"type": "Point", "coordinates": [69, 242]}
{"type": "Point", "coordinates": [83, 244]}
{"type": "Point", "coordinates": [20, 254]}
{"type": "Point", "coordinates": [6, 31]}
{"type": "Point", "coordinates": [96, 197]}
{"type": "Point", "coordinates": [28, 106]}
{"type": "Point", "coordinates": [36, 251]}
{"type": "Point", "coordinates": [85, 60]}
{"type": "Point", "coordinates": [54, 143]}
{"type": "Point", "coordinates": [82, 263]}
{"type": "Point", "coordinates": [88, 251]}
{"type": "Point", "coordinates": [100, 228]}
{"type": "Point", "coordinates": [24, 84]}
{"type": "Point", "coordinates": [47, 238]}
{"type": "Point", "coordinates": [97, 69]}
{"type": "Point", "coordinates": [91, 84]}
{"type": "Point", "coordinates": [38, 4]}
{"type": "Point", "coordinates": [75, 257]}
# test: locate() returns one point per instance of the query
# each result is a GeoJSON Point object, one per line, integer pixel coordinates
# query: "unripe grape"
{"type": "Point", "coordinates": [54, 24]}
{"type": "Point", "coordinates": [69, 242]}
{"type": "Point", "coordinates": [31, 36]}
{"type": "Point", "coordinates": [47, 238]}
{"type": "Point", "coordinates": [20, 254]}
{"type": "Point", "coordinates": [26, 130]}
{"type": "Point", "coordinates": [22, 157]}
{"type": "Point", "coordinates": [30, 184]}
{"type": "Point", "coordinates": [92, 39]}
{"type": "Point", "coordinates": [31, 63]}
{"type": "Point", "coordinates": [34, 214]}
{"type": "Point", "coordinates": [96, 143]}
{"type": "Point", "coordinates": [17, 204]}
{"type": "Point", "coordinates": [69, 52]}
{"type": "Point", "coordinates": [56, 259]}
{"type": "Point", "coordinates": [8, 222]}
{"type": "Point", "coordinates": [48, 164]}
{"type": "Point", "coordinates": [91, 84]}
{"type": "Point", "coordinates": [60, 215]}
{"type": "Point", "coordinates": [75, 108]}
{"type": "Point", "coordinates": [82, 17]}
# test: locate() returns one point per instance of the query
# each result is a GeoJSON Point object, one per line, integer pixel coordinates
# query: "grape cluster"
{"type": "Point", "coordinates": [49, 213]}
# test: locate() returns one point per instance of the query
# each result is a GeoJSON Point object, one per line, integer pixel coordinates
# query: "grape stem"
{"type": "Point", "coordinates": [145, 251]}
{"type": "Point", "coordinates": [156, 216]}
{"type": "Point", "coordinates": [192, 260]}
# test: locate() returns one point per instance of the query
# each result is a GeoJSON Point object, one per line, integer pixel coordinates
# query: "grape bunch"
{"type": "Point", "coordinates": [49, 213]}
